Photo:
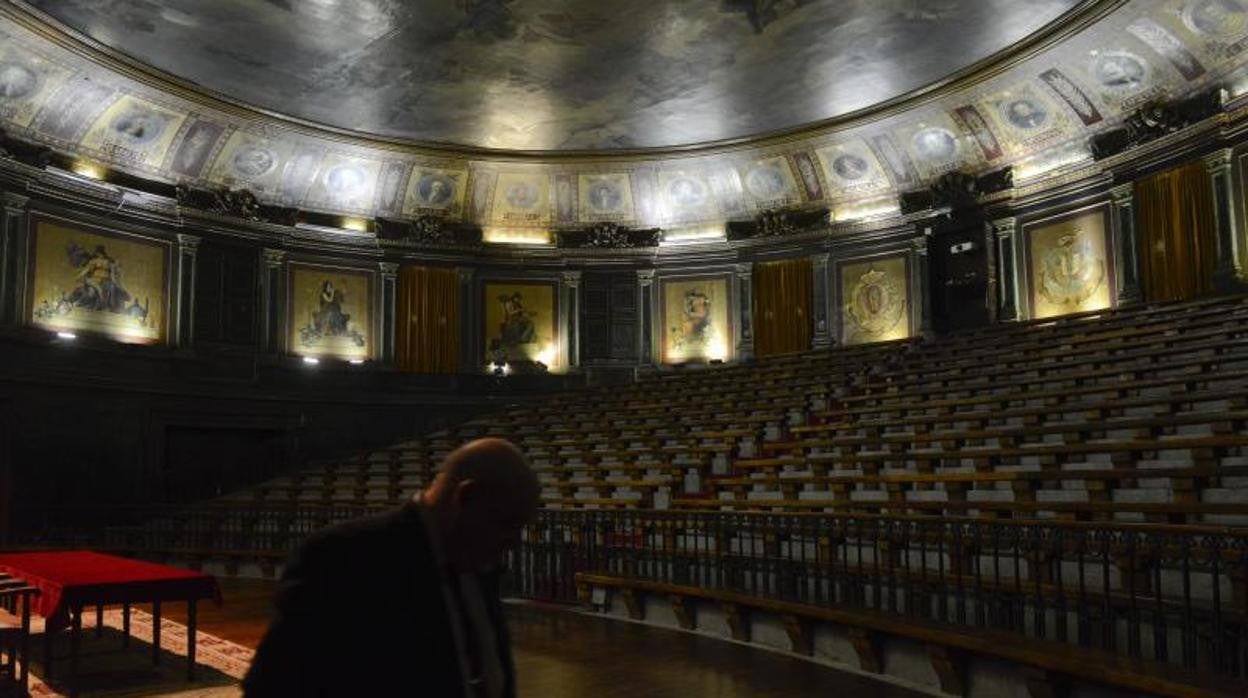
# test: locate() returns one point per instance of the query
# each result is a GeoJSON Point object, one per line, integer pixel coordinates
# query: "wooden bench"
{"type": "Point", "coordinates": [1047, 665]}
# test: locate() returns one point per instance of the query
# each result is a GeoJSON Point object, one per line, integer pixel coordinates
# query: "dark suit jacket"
{"type": "Point", "coordinates": [360, 611]}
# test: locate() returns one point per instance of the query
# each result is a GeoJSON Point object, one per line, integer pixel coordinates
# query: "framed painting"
{"type": "Point", "coordinates": [331, 311]}
{"type": "Point", "coordinates": [697, 319]}
{"type": "Point", "coordinates": [521, 322]}
{"type": "Point", "coordinates": [875, 300]}
{"type": "Point", "coordinates": [1070, 265]}
{"type": "Point", "coordinates": [84, 279]}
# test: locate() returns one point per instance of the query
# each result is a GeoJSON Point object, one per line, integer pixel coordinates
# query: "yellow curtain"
{"type": "Point", "coordinates": [782, 302]}
{"type": "Point", "coordinates": [426, 312]}
{"type": "Point", "coordinates": [1177, 236]}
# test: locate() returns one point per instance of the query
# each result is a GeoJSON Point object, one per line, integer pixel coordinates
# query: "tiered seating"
{"type": "Point", "coordinates": [1134, 415]}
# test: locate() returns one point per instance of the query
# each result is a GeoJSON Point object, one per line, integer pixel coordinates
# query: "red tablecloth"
{"type": "Point", "coordinates": [71, 578]}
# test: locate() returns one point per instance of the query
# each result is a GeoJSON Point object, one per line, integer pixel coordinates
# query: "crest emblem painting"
{"type": "Point", "coordinates": [876, 304]}
{"type": "Point", "coordinates": [1070, 273]}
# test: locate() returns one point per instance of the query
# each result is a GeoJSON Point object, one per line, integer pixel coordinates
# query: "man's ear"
{"type": "Point", "coordinates": [465, 491]}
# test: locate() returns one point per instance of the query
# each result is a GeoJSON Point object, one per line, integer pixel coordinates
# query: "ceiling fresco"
{"type": "Point", "coordinates": [560, 74]}
{"type": "Point", "coordinates": [1035, 114]}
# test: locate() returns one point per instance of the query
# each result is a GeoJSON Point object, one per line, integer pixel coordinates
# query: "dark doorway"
{"type": "Point", "coordinates": [959, 276]}
{"type": "Point", "coordinates": [202, 463]}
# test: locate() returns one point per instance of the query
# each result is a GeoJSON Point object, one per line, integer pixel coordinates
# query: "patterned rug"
{"type": "Point", "coordinates": [218, 660]}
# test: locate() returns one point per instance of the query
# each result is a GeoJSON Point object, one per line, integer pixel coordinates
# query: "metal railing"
{"type": "Point", "coordinates": [1173, 594]}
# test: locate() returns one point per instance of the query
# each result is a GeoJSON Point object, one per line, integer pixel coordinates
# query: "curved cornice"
{"type": "Point", "coordinates": [1082, 16]}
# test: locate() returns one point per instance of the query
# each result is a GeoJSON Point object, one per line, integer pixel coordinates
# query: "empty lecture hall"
{"type": "Point", "coordinates": [676, 349]}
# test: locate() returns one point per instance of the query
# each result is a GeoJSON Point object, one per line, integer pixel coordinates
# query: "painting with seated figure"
{"type": "Point", "coordinates": [696, 320]}
{"type": "Point", "coordinates": [1070, 266]}
{"type": "Point", "coordinates": [520, 323]}
{"type": "Point", "coordinates": [875, 300]}
{"type": "Point", "coordinates": [96, 281]}
{"type": "Point", "coordinates": [331, 312]}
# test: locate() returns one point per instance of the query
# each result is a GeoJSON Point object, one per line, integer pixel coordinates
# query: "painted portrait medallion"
{"type": "Point", "coordinates": [345, 179]}
{"type": "Point", "coordinates": [850, 167]}
{"type": "Point", "coordinates": [1119, 71]}
{"type": "Point", "coordinates": [686, 192]}
{"type": "Point", "coordinates": [765, 182]}
{"type": "Point", "coordinates": [17, 81]}
{"type": "Point", "coordinates": [139, 125]}
{"type": "Point", "coordinates": [1025, 114]}
{"type": "Point", "coordinates": [434, 190]}
{"type": "Point", "coordinates": [935, 144]}
{"type": "Point", "coordinates": [253, 161]}
{"type": "Point", "coordinates": [522, 195]}
{"type": "Point", "coordinates": [1215, 17]}
{"type": "Point", "coordinates": [604, 196]}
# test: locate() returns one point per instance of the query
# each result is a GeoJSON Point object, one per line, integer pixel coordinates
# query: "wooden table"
{"type": "Point", "coordinates": [70, 580]}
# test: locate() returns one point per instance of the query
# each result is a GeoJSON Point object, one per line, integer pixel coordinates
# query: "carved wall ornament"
{"type": "Point", "coordinates": [609, 235]}
{"type": "Point", "coordinates": [957, 191]}
{"type": "Point", "coordinates": [1156, 120]}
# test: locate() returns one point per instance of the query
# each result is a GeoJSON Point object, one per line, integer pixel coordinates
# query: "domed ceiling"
{"type": "Point", "coordinates": [560, 74]}
{"type": "Point", "coordinates": [526, 74]}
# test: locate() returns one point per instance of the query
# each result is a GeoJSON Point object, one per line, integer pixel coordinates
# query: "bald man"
{"type": "Point", "coordinates": [405, 603]}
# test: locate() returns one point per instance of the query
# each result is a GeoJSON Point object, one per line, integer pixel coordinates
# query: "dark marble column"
{"type": "Point", "coordinates": [822, 326]}
{"type": "Point", "coordinates": [1226, 275]}
{"type": "Point", "coordinates": [188, 253]}
{"type": "Point", "coordinates": [471, 359]}
{"type": "Point", "coordinates": [924, 282]}
{"type": "Point", "coordinates": [389, 321]}
{"type": "Point", "coordinates": [645, 316]}
{"type": "Point", "coordinates": [571, 282]}
{"type": "Point", "coordinates": [273, 300]}
{"type": "Point", "coordinates": [1006, 230]}
{"type": "Point", "coordinates": [12, 257]}
{"type": "Point", "coordinates": [745, 297]}
{"type": "Point", "coordinates": [1126, 244]}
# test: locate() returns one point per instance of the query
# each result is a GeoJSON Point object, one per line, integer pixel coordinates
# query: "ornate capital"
{"type": "Point", "coordinates": [821, 259]}
{"type": "Point", "coordinates": [188, 244]}
{"type": "Point", "coordinates": [15, 203]}
{"type": "Point", "coordinates": [1219, 161]}
{"type": "Point", "coordinates": [273, 258]}
{"type": "Point", "coordinates": [745, 270]}
{"type": "Point", "coordinates": [464, 274]}
{"type": "Point", "coordinates": [388, 269]}
{"type": "Point", "coordinates": [645, 277]}
{"type": "Point", "coordinates": [1123, 194]}
{"type": "Point", "coordinates": [919, 245]}
{"type": "Point", "coordinates": [572, 279]}
{"type": "Point", "coordinates": [1005, 227]}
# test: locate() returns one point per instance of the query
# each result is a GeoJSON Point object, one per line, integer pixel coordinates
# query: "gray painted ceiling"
{"type": "Point", "coordinates": [551, 75]}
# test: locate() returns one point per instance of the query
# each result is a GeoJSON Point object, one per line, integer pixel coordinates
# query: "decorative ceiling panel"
{"type": "Point", "coordinates": [57, 90]}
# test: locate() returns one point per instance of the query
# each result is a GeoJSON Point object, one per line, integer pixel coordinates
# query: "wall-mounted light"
{"type": "Point", "coordinates": [690, 235]}
{"type": "Point", "coordinates": [67, 336]}
{"type": "Point", "coordinates": [864, 211]}
{"type": "Point", "coordinates": [356, 362]}
{"type": "Point", "coordinates": [311, 360]}
{"type": "Point", "coordinates": [88, 169]}
{"type": "Point", "coordinates": [517, 236]}
{"type": "Point", "coordinates": [360, 225]}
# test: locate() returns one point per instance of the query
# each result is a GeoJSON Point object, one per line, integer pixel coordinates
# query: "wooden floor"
{"type": "Point", "coordinates": [563, 653]}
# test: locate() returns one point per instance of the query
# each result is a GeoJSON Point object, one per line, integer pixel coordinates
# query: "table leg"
{"type": "Point", "coordinates": [155, 632]}
{"type": "Point", "coordinates": [99, 620]}
{"type": "Point", "coordinates": [47, 652]}
{"type": "Point", "coordinates": [191, 615]}
{"type": "Point", "coordinates": [75, 646]}
{"type": "Point", "coordinates": [125, 624]}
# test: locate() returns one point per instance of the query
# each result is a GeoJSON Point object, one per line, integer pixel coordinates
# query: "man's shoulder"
{"type": "Point", "coordinates": [359, 535]}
